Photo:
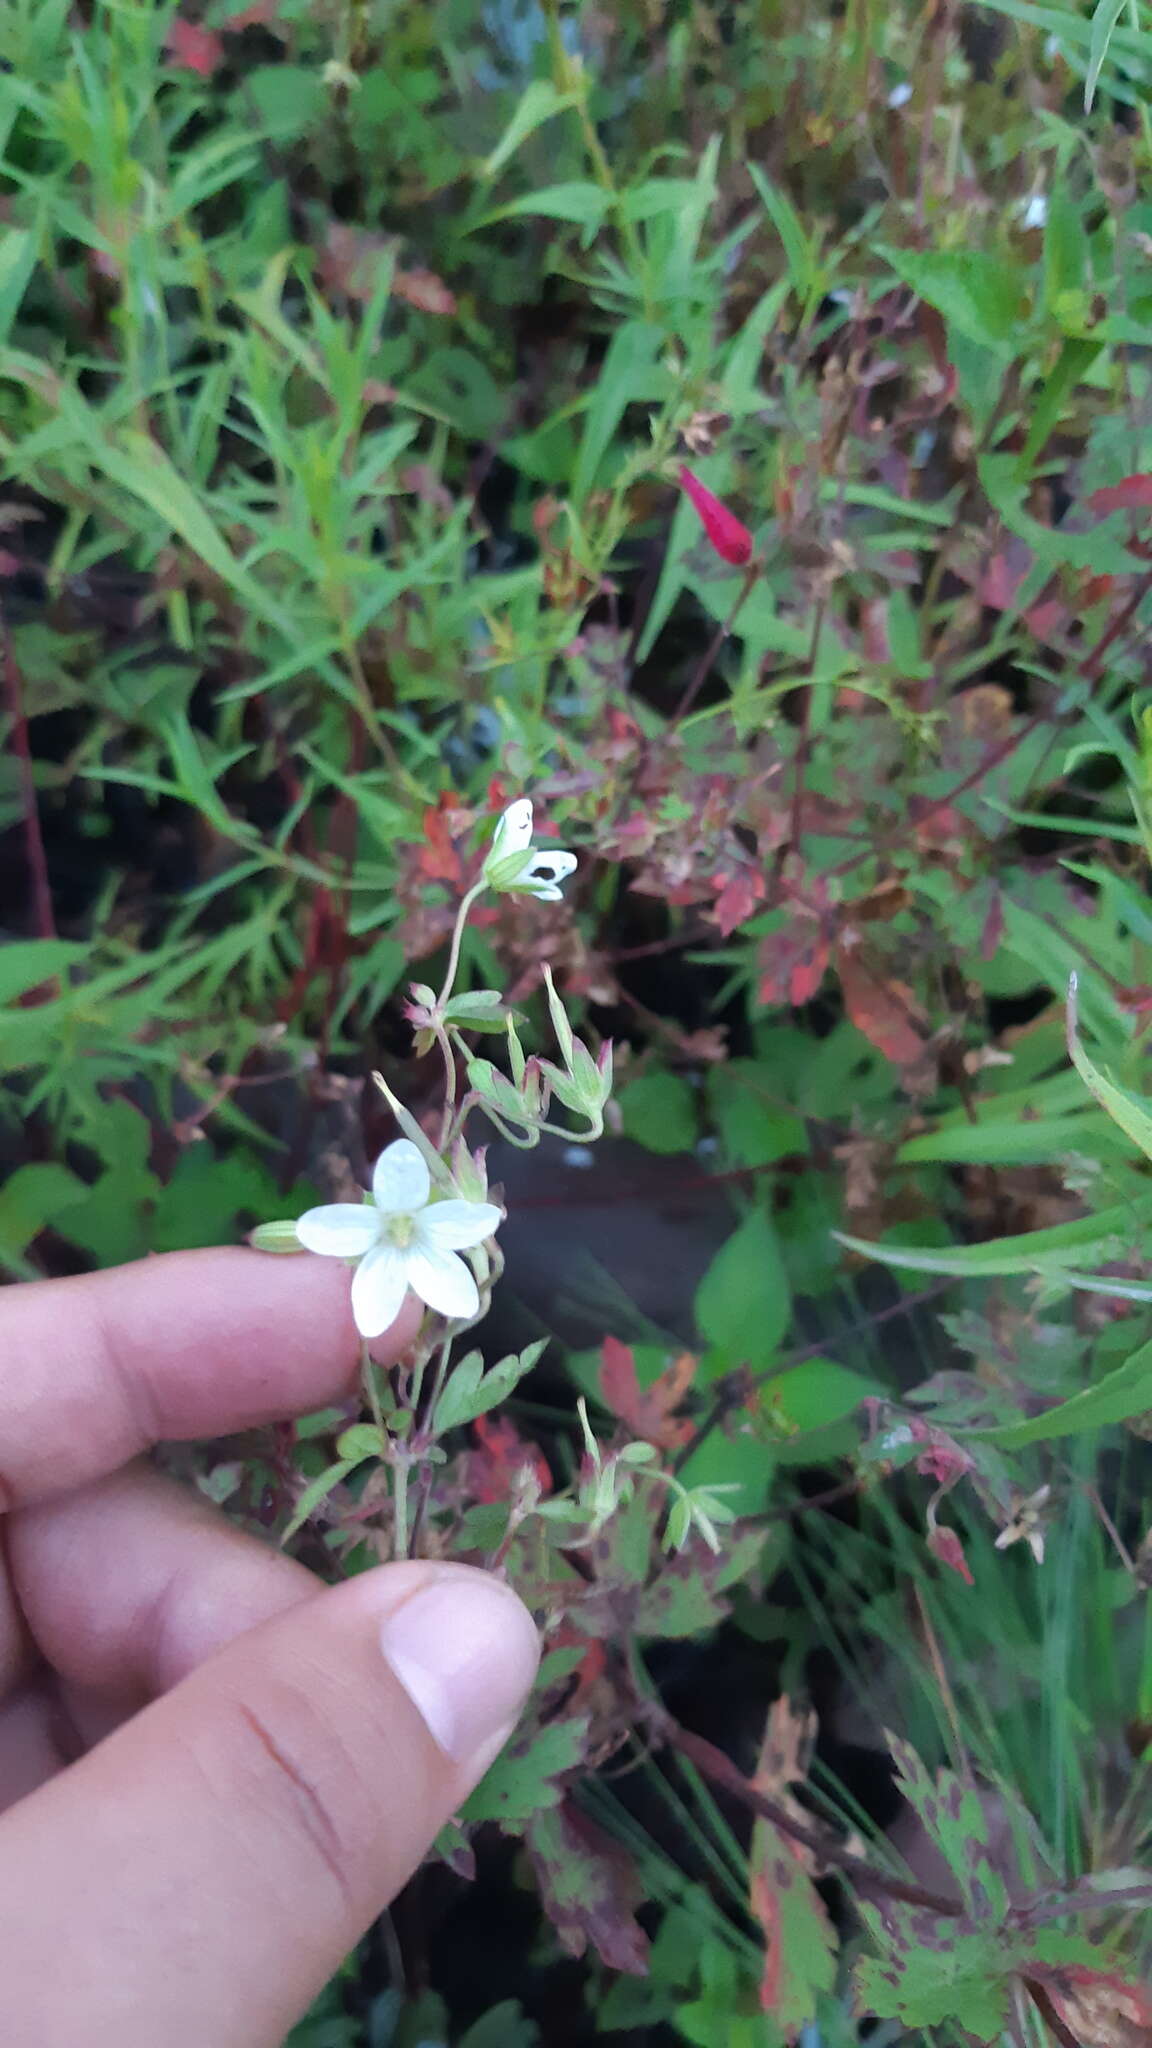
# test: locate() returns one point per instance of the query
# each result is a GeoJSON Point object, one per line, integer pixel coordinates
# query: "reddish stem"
{"type": "Point", "coordinates": [714, 1765]}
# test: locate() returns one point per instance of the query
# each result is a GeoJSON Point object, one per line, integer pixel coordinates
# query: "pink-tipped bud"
{"type": "Point", "coordinates": [728, 535]}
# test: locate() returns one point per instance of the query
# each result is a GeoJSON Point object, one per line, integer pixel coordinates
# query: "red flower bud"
{"type": "Point", "coordinates": [946, 1545]}
{"type": "Point", "coordinates": [728, 535]}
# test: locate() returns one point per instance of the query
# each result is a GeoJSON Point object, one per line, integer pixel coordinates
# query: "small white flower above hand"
{"type": "Point", "coordinates": [402, 1240]}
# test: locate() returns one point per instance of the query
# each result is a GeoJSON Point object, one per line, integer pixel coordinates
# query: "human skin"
{"type": "Point", "coordinates": [214, 1771]}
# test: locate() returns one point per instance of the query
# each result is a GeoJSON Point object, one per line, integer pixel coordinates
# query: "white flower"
{"type": "Point", "coordinates": [512, 863]}
{"type": "Point", "coordinates": [402, 1240]}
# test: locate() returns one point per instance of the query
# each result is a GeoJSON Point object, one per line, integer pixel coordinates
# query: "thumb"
{"type": "Point", "coordinates": [207, 1867]}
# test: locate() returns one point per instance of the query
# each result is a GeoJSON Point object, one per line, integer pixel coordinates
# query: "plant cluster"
{"type": "Point", "coordinates": [729, 431]}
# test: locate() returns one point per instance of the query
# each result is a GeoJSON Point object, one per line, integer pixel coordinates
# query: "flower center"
{"type": "Point", "coordinates": [400, 1230]}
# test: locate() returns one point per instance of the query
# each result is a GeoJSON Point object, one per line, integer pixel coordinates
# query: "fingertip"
{"type": "Point", "coordinates": [466, 1650]}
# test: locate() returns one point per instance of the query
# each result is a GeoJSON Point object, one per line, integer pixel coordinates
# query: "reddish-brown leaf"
{"type": "Point", "coordinates": [424, 290]}
{"type": "Point", "coordinates": [792, 964]}
{"type": "Point", "coordinates": [1099, 2009]}
{"type": "Point", "coordinates": [439, 859]}
{"type": "Point", "coordinates": [1131, 494]}
{"type": "Point", "coordinates": [501, 1456]}
{"type": "Point", "coordinates": [885, 1010]}
{"type": "Point", "coordinates": [192, 48]}
{"type": "Point", "coordinates": [739, 895]}
{"type": "Point", "coordinates": [648, 1411]}
{"type": "Point", "coordinates": [590, 1888]}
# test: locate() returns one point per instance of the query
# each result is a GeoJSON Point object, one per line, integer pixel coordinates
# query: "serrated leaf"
{"type": "Point", "coordinates": [590, 1888]}
{"type": "Point", "coordinates": [686, 1598]}
{"type": "Point", "coordinates": [524, 1780]}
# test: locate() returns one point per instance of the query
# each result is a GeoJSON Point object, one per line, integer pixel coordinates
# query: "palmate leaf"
{"type": "Point", "coordinates": [526, 1778]}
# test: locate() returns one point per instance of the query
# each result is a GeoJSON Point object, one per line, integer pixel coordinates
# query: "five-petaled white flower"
{"type": "Point", "coordinates": [402, 1240]}
{"type": "Point", "coordinates": [513, 863]}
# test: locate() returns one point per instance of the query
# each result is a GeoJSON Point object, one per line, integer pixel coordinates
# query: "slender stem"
{"type": "Point", "coordinates": [714, 1765]}
{"type": "Point", "coordinates": [476, 890]}
{"type": "Point", "coordinates": [697, 681]}
{"type": "Point", "coordinates": [804, 744]}
{"type": "Point", "coordinates": [400, 1505]}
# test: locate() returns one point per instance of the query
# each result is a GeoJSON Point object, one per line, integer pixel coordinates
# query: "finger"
{"type": "Point", "coordinates": [188, 1344]}
{"type": "Point", "coordinates": [215, 1858]}
{"type": "Point", "coordinates": [131, 1582]}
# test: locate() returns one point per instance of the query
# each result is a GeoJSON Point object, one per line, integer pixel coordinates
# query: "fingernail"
{"type": "Point", "coordinates": [465, 1650]}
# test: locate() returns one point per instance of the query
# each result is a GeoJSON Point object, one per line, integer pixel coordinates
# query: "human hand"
{"type": "Point", "coordinates": [214, 1772]}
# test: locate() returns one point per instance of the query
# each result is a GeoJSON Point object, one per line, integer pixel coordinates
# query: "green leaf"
{"type": "Point", "coordinates": [800, 1946]}
{"type": "Point", "coordinates": [523, 1780]}
{"type": "Point", "coordinates": [540, 102]}
{"type": "Point", "coordinates": [503, 2026]}
{"type": "Point", "coordinates": [1090, 1240]}
{"type": "Point", "coordinates": [755, 1129]}
{"type": "Point", "coordinates": [743, 1303]}
{"type": "Point", "coordinates": [686, 1596]}
{"type": "Point", "coordinates": [1123, 1107]}
{"type": "Point", "coordinates": [482, 1009]}
{"type": "Point", "coordinates": [318, 1492]}
{"type": "Point", "coordinates": [1003, 1142]}
{"type": "Point", "coordinates": [659, 1112]}
{"type": "Point", "coordinates": [17, 262]}
{"type": "Point", "coordinates": [467, 1395]}
{"type": "Point", "coordinates": [799, 251]}
{"type": "Point", "coordinates": [629, 373]}
{"type": "Point", "coordinates": [819, 1391]}
{"type": "Point", "coordinates": [360, 1442]}
{"type": "Point", "coordinates": [289, 99]}
{"type": "Point", "coordinates": [26, 963]}
{"type": "Point", "coordinates": [1105, 16]}
{"type": "Point", "coordinates": [31, 1198]}
{"type": "Point", "coordinates": [980, 295]}
{"type": "Point", "coordinates": [577, 201]}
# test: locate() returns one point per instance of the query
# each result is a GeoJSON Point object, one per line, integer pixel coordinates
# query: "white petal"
{"type": "Point", "coordinates": [544, 872]}
{"type": "Point", "coordinates": [443, 1281]}
{"type": "Point", "coordinates": [455, 1226]}
{"type": "Point", "coordinates": [379, 1285]}
{"type": "Point", "coordinates": [514, 829]}
{"type": "Point", "coordinates": [400, 1182]}
{"type": "Point", "coordinates": [341, 1230]}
